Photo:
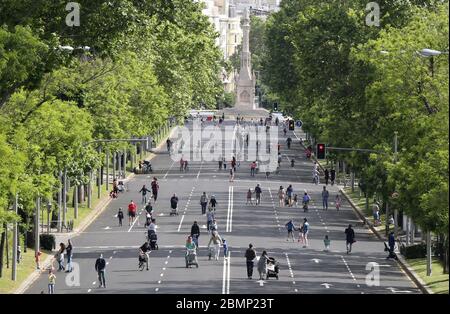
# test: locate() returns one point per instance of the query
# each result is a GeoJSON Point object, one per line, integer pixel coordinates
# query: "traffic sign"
{"type": "Point", "coordinates": [298, 123]}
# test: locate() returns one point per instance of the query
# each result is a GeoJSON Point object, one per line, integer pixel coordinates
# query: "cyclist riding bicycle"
{"type": "Point", "coordinates": [143, 254]}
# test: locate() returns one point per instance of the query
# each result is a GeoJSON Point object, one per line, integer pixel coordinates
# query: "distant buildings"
{"type": "Point", "coordinates": [226, 16]}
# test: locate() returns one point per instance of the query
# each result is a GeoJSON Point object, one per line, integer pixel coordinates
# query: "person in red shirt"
{"type": "Point", "coordinates": [131, 212]}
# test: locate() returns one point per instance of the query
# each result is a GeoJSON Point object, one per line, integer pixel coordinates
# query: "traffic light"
{"type": "Point", "coordinates": [291, 125]}
{"type": "Point", "coordinates": [275, 107]}
{"type": "Point", "coordinates": [320, 151]}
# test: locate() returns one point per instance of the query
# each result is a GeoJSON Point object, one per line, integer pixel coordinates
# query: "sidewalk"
{"type": "Point", "coordinates": [401, 260]}
{"type": "Point", "coordinates": [63, 237]}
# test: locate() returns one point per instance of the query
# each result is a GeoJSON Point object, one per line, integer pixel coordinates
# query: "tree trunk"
{"type": "Point", "coordinates": [446, 254]}
{"type": "Point", "coordinates": [7, 247]}
{"type": "Point", "coordinates": [353, 181]}
{"type": "Point", "coordinates": [2, 249]}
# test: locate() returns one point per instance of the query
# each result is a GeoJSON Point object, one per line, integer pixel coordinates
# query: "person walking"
{"type": "Point", "coordinates": [305, 201]}
{"type": "Point", "coordinates": [120, 216]}
{"type": "Point", "coordinates": [327, 176]}
{"type": "Point", "coordinates": [332, 176]}
{"type": "Point", "coordinates": [174, 202]}
{"type": "Point", "coordinates": [262, 265]}
{"type": "Point", "coordinates": [252, 168]}
{"type": "Point", "coordinates": [258, 193]}
{"type": "Point", "coordinates": [37, 259]}
{"type": "Point", "coordinates": [132, 208]}
{"type": "Point", "coordinates": [249, 197]}
{"type": "Point", "coordinates": [290, 229]}
{"type": "Point", "coordinates": [216, 241]}
{"type": "Point", "coordinates": [305, 231]}
{"type": "Point", "coordinates": [231, 174]}
{"type": "Point", "coordinates": [155, 188]}
{"type": "Point", "coordinates": [51, 282]}
{"type": "Point", "coordinates": [350, 238]}
{"type": "Point", "coordinates": [233, 163]}
{"type": "Point", "coordinates": [326, 243]}
{"type": "Point", "coordinates": [204, 202]}
{"type": "Point", "coordinates": [225, 248]}
{"type": "Point", "coordinates": [316, 176]}
{"type": "Point", "coordinates": [195, 233]}
{"type": "Point", "coordinates": [169, 145]}
{"type": "Point", "coordinates": [224, 163]}
{"type": "Point", "coordinates": [60, 256]}
{"type": "Point", "coordinates": [144, 191]}
{"type": "Point", "coordinates": [209, 219]}
{"type": "Point", "coordinates": [220, 163]}
{"type": "Point", "coordinates": [391, 243]}
{"type": "Point", "coordinates": [69, 250]}
{"type": "Point", "coordinates": [281, 196]}
{"type": "Point", "coordinates": [325, 195]}
{"type": "Point", "coordinates": [337, 201]}
{"type": "Point", "coordinates": [100, 266]}
{"type": "Point", "coordinates": [289, 141]}
{"type": "Point", "coordinates": [213, 203]}
{"type": "Point", "coordinates": [289, 193]}
{"type": "Point", "coordinates": [250, 255]}
{"type": "Point", "coordinates": [149, 208]}
{"type": "Point", "coordinates": [376, 213]}
{"type": "Point", "coordinates": [186, 166]}
{"type": "Point", "coordinates": [181, 164]}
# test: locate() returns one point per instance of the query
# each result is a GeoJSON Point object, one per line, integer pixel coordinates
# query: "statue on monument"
{"type": "Point", "coordinates": [246, 82]}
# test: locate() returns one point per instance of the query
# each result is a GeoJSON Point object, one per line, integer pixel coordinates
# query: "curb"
{"type": "Point", "coordinates": [401, 261]}
{"type": "Point", "coordinates": [101, 206]}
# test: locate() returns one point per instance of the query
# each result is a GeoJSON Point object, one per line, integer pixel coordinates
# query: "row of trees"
{"type": "Point", "coordinates": [122, 73]}
{"type": "Point", "coordinates": [354, 85]}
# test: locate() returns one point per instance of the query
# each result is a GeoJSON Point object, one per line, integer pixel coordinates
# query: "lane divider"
{"type": "Point", "coordinates": [229, 225]}
{"type": "Point", "coordinates": [226, 274]}
{"type": "Point", "coordinates": [185, 209]}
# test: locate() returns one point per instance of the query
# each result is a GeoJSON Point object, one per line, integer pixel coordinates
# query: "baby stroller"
{"type": "Point", "coordinates": [272, 268]}
{"type": "Point", "coordinates": [147, 167]}
{"type": "Point", "coordinates": [392, 254]}
{"type": "Point", "coordinates": [191, 258]}
{"type": "Point", "coordinates": [153, 239]}
{"type": "Point", "coordinates": [174, 211]}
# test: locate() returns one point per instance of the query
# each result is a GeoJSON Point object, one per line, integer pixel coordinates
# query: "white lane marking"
{"type": "Point", "coordinates": [326, 285]}
{"type": "Point", "coordinates": [173, 162]}
{"type": "Point", "coordinates": [94, 283]}
{"type": "Point", "coordinates": [181, 222]}
{"type": "Point", "coordinates": [110, 257]}
{"type": "Point", "coordinates": [227, 228]}
{"type": "Point", "coordinates": [136, 219]}
{"type": "Point", "coordinates": [185, 209]}
{"type": "Point", "coordinates": [231, 209]}
{"type": "Point", "coordinates": [229, 271]}
{"type": "Point", "coordinates": [290, 270]}
{"type": "Point", "coordinates": [198, 174]}
{"type": "Point", "coordinates": [166, 262]}
{"type": "Point", "coordinates": [348, 268]}
{"type": "Point", "coordinates": [224, 276]}
{"type": "Point", "coordinates": [89, 290]}
{"type": "Point", "coordinates": [159, 281]}
{"type": "Point", "coordinates": [162, 274]}
{"type": "Point", "coordinates": [156, 289]}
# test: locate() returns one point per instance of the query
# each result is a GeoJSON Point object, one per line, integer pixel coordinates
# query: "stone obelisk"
{"type": "Point", "coordinates": [245, 90]}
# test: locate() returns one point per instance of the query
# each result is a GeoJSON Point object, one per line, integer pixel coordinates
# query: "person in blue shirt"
{"type": "Point", "coordinates": [290, 229]}
{"type": "Point", "coordinates": [225, 247]}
